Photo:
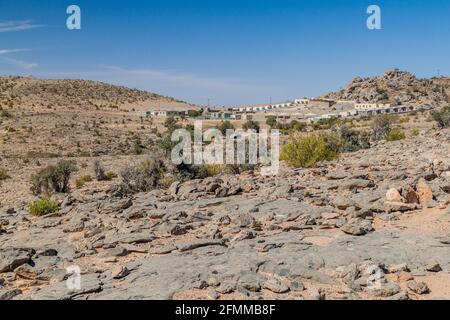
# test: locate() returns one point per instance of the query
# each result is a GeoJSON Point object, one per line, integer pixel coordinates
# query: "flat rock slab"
{"type": "Point", "coordinates": [12, 258]}
{"type": "Point", "coordinates": [64, 290]}
{"type": "Point", "coordinates": [186, 246]}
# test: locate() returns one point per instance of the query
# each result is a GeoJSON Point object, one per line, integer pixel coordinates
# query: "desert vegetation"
{"type": "Point", "coordinates": [54, 177]}
{"type": "Point", "coordinates": [43, 206]}
{"type": "Point", "coordinates": [442, 117]}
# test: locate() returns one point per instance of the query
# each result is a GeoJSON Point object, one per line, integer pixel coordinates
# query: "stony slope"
{"type": "Point", "coordinates": [25, 91]}
{"type": "Point", "coordinates": [374, 224]}
{"type": "Point", "coordinates": [395, 87]}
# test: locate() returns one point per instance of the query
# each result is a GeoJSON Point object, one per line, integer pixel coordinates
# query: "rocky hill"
{"type": "Point", "coordinates": [395, 87]}
{"type": "Point", "coordinates": [26, 91]}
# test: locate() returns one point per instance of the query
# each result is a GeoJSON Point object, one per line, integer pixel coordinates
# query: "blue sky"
{"type": "Point", "coordinates": [232, 52]}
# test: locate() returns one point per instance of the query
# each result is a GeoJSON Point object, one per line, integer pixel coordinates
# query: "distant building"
{"type": "Point", "coordinates": [371, 106]}
{"type": "Point", "coordinates": [266, 107]}
{"type": "Point", "coordinates": [385, 110]}
{"type": "Point", "coordinates": [168, 113]}
{"type": "Point", "coordinates": [303, 101]}
{"type": "Point", "coordinates": [223, 115]}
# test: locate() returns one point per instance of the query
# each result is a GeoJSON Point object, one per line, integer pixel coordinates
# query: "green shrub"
{"type": "Point", "coordinates": [271, 121]}
{"type": "Point", "coordinates": [251, 125]}
{"type": "Point", "coordinates": [381, 127]}
{"type": "Point", "coordinates": [3, 174]}
{"type": "Point", "coordinates": [442, 117]}
{"type": "Point", "coordinates": [292, 126]}
{"type": "Point", "coordinates": [285, 128]}
{"type": "Point", "coordinates": [100, 174]}
{"type": "Point", "coordinates": [224, 126]}
{"type": "Point", "coordinates": [43, 207]}
{"type": "Point", "coordinates": [395, 135]}
{"type": "Point", "coordinates": [196, 113]}
{"type": "Point", "coordinates": [165, 143]}
{"type": "Point", "coordinates": [211, 170]}
{"type": "Point", "coordinates": [415, 132]}
{"type": "Point", "coordinates": [326, 124]}
{"type": "Point", "coordinates": [308, 151]}
{"type": "Point", "coordinates": [80, 182]}
{"type": "Point", "coordinates": [54, 177]}
{"type": "Point", "coordinates": [171, 124]}
{"type": "Point", "coordinates": [137, 148]}
{"type": "Point", "coordinates": [110, 176]}
{"type": "Point", "coordinates": [352, 140]}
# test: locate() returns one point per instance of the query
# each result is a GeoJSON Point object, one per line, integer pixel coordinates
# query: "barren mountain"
{"type": "Point", "coordinates": [395, 87]}
{"type": "Point", "coordinates": [33, 92]}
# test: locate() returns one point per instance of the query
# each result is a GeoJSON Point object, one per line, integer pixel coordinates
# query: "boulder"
{"type": "Point", "coordinates": [392, 195]}
{"type": "Point", "coordinates": [12, 258]}
{"type": "Point", "coordinates": [424, 191]}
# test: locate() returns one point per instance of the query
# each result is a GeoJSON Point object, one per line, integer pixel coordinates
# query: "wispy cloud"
{"type": "Point", "coordinates": [7, 51]}
{"type": "Point", "coordinates": [10, 26]}
{"type": "Point", "coordinates": [184, 79]}
{"type": "Point", "coordinates": [20, 63]}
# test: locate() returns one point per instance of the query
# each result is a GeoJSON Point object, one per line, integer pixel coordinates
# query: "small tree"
{"type": "Point", "coordinates": [224, 126]}
{"type": "Point", "coordinates": [54, 177]}
{"type": "Point", "coordinates": [381, 127]}
{"type": "Point", "coordinates": [171, 124]}
{"type": "Point", "coordinates": [442, 117]}
{"type": "Point", "coordinates": [251, 125]}
{"type": "Point", "coordinates": [353, 140]}
{"type": "Point", "coordinates": [99, 171]}
{"type": "Point", "coordinates": [271, 121]}
{"type": "Point", "coordinates": [137, 148]}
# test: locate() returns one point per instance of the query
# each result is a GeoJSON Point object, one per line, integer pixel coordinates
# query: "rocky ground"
{"type": "Point", "coordinates": [43, 121]}
{"type": "Point", "coordinates": [374, 224]}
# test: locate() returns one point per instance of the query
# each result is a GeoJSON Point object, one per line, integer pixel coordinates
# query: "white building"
{"type": "Point", "coordinates": [371, 106]}
{"type": "Point", "coordinates": [303, 101]}
{"type": "Point", "coordinates": [266, 107]}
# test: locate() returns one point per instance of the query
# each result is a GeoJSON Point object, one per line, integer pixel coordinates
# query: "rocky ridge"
{"type": "Point", "coordinates": [395, 87]}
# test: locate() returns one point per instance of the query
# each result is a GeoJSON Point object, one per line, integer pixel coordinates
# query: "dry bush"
{"type": "Point", "coordinates": [53, 178]}
{"type": "Point", "coordinates": [148, 174]}
{"type": "Point", "coordinates": [442, 117]}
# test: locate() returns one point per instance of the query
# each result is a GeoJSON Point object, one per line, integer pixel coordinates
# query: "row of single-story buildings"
{"type": "Point", "coordinates": [372, 110]}
{"type": "Point", "coordinates": [266, 107]}
{"type": "Point", "coordinates": [168, 113]}
{"type": "Point", "coordinates": [292, 111]}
